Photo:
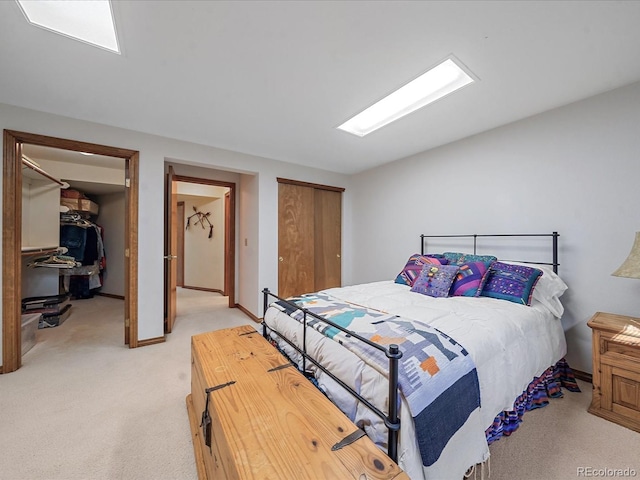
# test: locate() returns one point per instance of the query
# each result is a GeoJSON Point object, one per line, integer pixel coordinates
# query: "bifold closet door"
{"type": "Point", "coordinates": [296, 255]}
{"type": "Point", "coordinates": [309, 239]}
{"type": "Point", "coordinates": [327, 235]}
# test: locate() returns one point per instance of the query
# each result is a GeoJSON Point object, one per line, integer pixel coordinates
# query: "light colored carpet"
{"type": "Point", "coordinates": [84, 406]}
{"type": "Point", "coordinates": [557, 441]}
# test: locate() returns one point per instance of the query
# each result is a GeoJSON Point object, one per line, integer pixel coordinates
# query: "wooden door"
{"type": "Point", "coordinates": [327, 238]}
{"type": "Point", "coordinates": [180, 227]}
{"type": "Point", "coordinates": [227, 241]}
{"type": "Point", "coordinates": [171, 197]}
{"type": "Point", "coordinates": [296, 255]}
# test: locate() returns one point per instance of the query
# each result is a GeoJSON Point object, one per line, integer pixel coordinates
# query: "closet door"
{"type": "Point", "coordinates": [309, 237]}
{"type": "Point", "coordinates": [328, 235]}
{"type": "Point", "coordinates": [296, 255]}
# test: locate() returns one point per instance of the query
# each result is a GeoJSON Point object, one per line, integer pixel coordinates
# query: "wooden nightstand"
{"type": "Point", "coordinates": [616, 369]}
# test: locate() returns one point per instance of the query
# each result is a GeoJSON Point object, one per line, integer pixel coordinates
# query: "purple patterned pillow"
{"type": "Point", "coordinates": [435, 280]}
{"type": "Point", "coordinates": [414, 265]}
{"type": "Point", "coordinates": [514, 283]}
{"type": "Point", "coordinates": [470, 279]}
{"type": "Point", "coordinates": [458, 258]}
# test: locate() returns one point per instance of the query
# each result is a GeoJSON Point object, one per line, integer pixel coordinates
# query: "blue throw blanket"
{"type": "Point", "coordinates": [436, 375]}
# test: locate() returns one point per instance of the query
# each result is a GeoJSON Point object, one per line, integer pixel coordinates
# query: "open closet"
{"type": "Point", "coordinates": [14, 143]}
{"type": "Point", "coordinates": [73, 213]}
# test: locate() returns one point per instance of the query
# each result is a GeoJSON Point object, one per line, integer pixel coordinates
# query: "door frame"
{"type": "Point", "coordinates": [12, 236]}
{"type": "Point", "coordinates": [230, 233]}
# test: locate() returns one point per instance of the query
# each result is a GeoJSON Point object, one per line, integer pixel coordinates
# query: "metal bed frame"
{"type": "Point", "coordinates": [554, 236]}
{"type": "Point", "coordinates": [391, 421]}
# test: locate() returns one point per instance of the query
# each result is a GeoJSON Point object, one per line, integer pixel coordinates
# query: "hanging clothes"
{"type": "Point", "coordinates": [74, 237]}
{"type": "Point", "coordinates": [84, 240]}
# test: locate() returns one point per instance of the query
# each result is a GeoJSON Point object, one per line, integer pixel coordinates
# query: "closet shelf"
{"type": "Point", "coordinates": [27, 162]}
{"type": "Point", "coordinates": [28, 251]}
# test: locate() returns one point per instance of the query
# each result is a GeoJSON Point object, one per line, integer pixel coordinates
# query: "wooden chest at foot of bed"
{"type": "Point", "coordinates": [267, 420]}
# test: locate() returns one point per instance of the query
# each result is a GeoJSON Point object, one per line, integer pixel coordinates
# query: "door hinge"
{"type": "Point", "coordinates": [126, 322]}
{"type": "Point", "coordinates": [126, 252]}
{"type": "Point", "coordinates": [127, 182]}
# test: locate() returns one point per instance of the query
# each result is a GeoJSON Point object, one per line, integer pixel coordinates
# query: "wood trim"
{"type": "Point", "coordinates": [75, 145]}
{"type": "Point", "coordinates": [11, 253]}
{"type": "Point", "coordinates": [111, 295]}
{"type": "Point", "coordinates": [12, 235]}
{"type": "Point", "coordinates": [203, 181]}
{"type": "Point", "coordinates": [584, 376]}
{"type": "Point", "coordinates": [151, 341]}
{"type": "Point", "coordinates": [307, 184]}
{"type": "Point", "coordinates": [248, 313]}
{"type": "Point", "coordinates": [131, 244]}
{"type": "Point", "coordinates": [214, 290]}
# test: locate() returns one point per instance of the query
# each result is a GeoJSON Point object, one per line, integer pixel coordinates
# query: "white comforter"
{"type": "Point", "coordinates": [509, 343]}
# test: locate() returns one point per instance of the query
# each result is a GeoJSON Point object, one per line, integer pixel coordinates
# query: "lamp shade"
{"type": "Point", "coordinates": [630, 268]}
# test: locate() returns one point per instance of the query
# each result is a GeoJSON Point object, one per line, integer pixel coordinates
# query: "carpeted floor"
{"type": "Point", "coordinates": [561, 440]}
{"type": "Point", "coordinates": [84, 406]}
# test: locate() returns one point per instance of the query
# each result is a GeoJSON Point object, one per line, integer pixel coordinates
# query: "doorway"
{"type": "Point", "coordinates": [12, 236]}
{"type": "Point", "coordinates": [206, 213]}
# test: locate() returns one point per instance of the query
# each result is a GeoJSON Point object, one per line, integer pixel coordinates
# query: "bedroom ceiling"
{"type": "Point", "coordinates": [274, 79]}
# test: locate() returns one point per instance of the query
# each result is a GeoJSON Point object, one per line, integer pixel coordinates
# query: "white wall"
{"type": "Point", "coordinates": [40, 228]}
{"type": "Point", "coordinates": [85, 172]}
{"type": "Point", "coordinates": [574, 169]}
{"type": "Point", "coordinates": [40, 213]}
{"type": "Point", "coordinates": [154, 151]}
{"type": "Point", "coordinates": [111, 219]}
{"type": "Point", "coordinates": [247, 244]}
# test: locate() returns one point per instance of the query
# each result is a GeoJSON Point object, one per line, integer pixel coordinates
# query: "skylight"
{"type": "Point", "coordinates": [441, 80]}
{"type": "Point", "coordinates": [88, 21]}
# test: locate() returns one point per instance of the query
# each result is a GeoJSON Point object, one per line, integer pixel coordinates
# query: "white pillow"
{"type": "Point", "coordinates": [549, 288]}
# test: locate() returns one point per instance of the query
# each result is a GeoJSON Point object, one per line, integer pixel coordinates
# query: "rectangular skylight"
{"type": "Point", "coordinates": [441, 80]}
{"type": "Point", "coordinates": [88, 21]}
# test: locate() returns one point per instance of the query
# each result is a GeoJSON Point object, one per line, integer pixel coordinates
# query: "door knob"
{"type": "Point", "coordinates": [281, 259]}
{"type": "Point", "coordinates": [338, 255]}
{"type": "Point", "coordinates": [170, 257]}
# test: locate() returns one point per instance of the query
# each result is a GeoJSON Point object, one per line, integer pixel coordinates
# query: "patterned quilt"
{"type": "Point", "coordinates": [436, 375]}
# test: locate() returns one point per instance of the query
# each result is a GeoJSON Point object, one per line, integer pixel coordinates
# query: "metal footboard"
{"type": "Point", "coordinates": [391, 420]}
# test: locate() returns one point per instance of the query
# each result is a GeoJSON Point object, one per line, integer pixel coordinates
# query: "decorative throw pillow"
{"type": "Point", "coordinates": [457, 258]}
{"type": "Point", "coordinates": [435, 280]}
{"type": "Point", "coordinates": [414, 265]}
{"type": "Point", "coordinates": [470, 279]}
{"type": "Point", "coordinates": [514, 283]}
{"type": "Point", "coordinates": [549, 288]}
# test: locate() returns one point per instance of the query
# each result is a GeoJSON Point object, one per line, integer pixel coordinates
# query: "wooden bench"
{"type": "Point", "coordinates": [267, 419]}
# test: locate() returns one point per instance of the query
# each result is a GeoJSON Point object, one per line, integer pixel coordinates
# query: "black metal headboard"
{"type": "Point", "coordinates": [554, 243]}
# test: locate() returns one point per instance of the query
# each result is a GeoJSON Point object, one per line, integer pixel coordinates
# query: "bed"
{"type": "Point", "coordinates": [439, 362]}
